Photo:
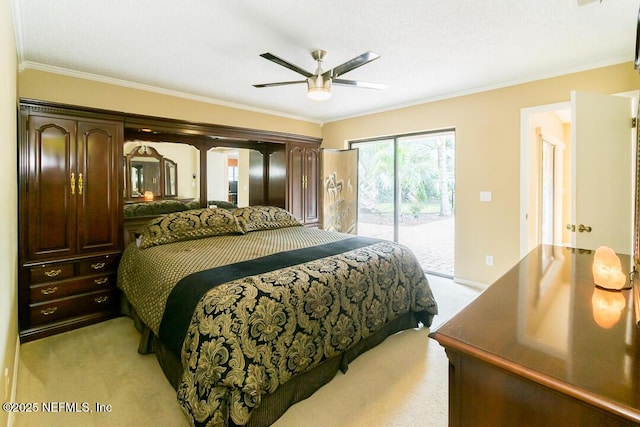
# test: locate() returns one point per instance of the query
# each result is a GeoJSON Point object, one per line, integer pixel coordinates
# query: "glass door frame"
{"type": "Point", "coordinates": [397, 197]}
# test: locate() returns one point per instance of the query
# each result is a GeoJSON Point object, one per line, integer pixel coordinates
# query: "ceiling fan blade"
{"type": "Point", "coordinates": [280, 83]}
{"type": "Point", "coordinates": [354, 63]}
{"type": "Point", "coordinates": [356, 83]}
{"type": "Point", "coordinates": [286, 64]}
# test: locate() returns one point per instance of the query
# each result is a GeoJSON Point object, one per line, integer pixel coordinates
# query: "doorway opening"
{"type": "Point", "coordinates": [406, 194]}
{"type": "Point", "coordinates": [576, 160]}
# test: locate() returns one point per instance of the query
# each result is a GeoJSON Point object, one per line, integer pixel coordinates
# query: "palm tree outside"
{"type": "Point", "coordinates": [406, 193]}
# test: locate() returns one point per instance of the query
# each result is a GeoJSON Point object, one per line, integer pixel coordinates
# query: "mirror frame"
{"type": "Point", "coordinates": [170, 179]}
{"type": "Point", "coordinates": [203, 136]}
{"type": "Point", "coordinates": [164, 163]}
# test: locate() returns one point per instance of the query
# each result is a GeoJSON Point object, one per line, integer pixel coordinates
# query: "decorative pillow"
{"type": "Point", "coordinates": [252, 218]}
{"type": "Point", "coordinates": [187, 225]}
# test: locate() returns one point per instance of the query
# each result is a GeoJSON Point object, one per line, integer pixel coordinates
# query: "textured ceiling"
{"type": "Point", "coordinates": [429, 49]}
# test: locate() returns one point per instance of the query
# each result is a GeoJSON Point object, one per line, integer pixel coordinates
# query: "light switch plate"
{"type": "Point", "coordinates": [485, 196]}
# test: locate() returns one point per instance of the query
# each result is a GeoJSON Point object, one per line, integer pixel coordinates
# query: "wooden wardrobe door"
{"type": "Point", "coordinates": [277, 177]}
{"type": "Point", "coordinates": [296, 181]}
{"type": "Point", "coordinates": [311, 187]}
{"type": "Point", "coordinates": [97, 171]}
{"type": "Point", "coordinates": [51, 200]}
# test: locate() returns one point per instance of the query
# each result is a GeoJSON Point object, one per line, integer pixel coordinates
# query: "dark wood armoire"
{"type": "Point", "coordinates": [70, 217]}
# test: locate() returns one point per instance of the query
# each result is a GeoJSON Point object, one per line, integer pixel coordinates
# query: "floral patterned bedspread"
{"type": "Point", "coordinates": [249, 335]}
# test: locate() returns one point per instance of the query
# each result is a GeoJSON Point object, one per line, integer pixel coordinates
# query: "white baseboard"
{"type": "Point", "coordinates": [14, 381]}
{"type": "Point", "coordinates": [479, 286]}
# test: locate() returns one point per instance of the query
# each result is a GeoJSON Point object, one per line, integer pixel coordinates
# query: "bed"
{"type": "Point", "coordinates": [249, 312]}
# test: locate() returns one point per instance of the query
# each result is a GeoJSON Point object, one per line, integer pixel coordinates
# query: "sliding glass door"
{"type": "Point", "coordinates": [376, 189]}
{"type": "Point", "coordinates": [406, 194]}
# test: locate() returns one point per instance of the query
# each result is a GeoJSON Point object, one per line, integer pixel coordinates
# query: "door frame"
{"type": "Point", "coordinates": [395, 140]}
{"type": "Point", "coordinates": [525, 169]}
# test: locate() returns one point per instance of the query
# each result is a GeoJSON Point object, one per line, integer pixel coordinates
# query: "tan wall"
{"type": "Point", "coordinates": [8, 195]}
{"type": "Point", "coordinates": [88, 93]}
{"type": "Point", "coordinates": [487, 142]}
{"type": "Point", "coordinates": [487, 156]}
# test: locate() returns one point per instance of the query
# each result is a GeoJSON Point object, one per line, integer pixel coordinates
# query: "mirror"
{"type": "Point", "coordinates": [170, 178]}
{"type": "Point", "coordinates": [236, 172]}
{"type": "Point", "coordinates": [144, 167]}
{"type": "Point", "coordinates": [151, 168]}
{"type": "Point", "coordinates": [229, 175]}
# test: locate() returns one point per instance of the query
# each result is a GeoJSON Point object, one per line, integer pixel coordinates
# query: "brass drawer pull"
{"type": "Point", "coordinates": [52, 273]}
{"type": "Point", "coordinates": [49, 311]}
{"type": "Point", "coordinates": [101, 300]}
{"type": "Point", "coordinates": [101, 280]}
{"type": "Point", "coordinates": [98, 265]}
{"type": "Point", "coordinates": [49, 291]}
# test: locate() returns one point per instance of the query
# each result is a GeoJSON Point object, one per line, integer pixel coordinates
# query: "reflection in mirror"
{"type": "Point", "coordinates": [179, 177]}
{"type": "Point", "coordinates": [170, 178]}
{"type": "Point", "coordinates": [144, 167]}
{"type": "Point", "coordinates": [228, 175]}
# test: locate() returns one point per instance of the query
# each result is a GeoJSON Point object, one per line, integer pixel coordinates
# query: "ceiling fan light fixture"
{"type": "Point", "coordinates": [318, 89]}
{"type": "Point", "coordinates": [319, 84]}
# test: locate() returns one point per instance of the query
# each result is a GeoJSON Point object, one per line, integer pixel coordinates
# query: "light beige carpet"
{"type": "Point", "coordinates": [401, 383]}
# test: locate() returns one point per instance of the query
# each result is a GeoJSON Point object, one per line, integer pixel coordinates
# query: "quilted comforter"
{"type": "Point", "coordinates": [251, 333]}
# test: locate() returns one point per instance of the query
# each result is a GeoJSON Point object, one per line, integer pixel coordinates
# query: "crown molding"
{"type": "Point", "coordinates": [480, 89]}
{"type": "Point", "coordinates": [29, 65]}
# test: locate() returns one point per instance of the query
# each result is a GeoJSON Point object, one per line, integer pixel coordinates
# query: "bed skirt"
{"type": "Point", "coordinates": [298, 388]}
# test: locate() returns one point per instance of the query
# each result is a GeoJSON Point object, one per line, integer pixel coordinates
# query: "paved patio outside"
{"type": "Point", "coordinates": [431, 242]}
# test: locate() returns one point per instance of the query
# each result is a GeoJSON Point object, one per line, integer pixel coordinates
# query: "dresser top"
{"type": "Point", "coordinates": [546, 321]}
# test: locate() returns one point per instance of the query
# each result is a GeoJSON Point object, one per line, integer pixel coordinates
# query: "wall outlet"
{"type": "Point", "coordinates": [7, 384]}
{"type": "Point", "coordinates": [488, 259]}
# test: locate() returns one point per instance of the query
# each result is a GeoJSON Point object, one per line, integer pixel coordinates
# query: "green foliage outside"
{"type": "Point", "coordinates": [426, 175]}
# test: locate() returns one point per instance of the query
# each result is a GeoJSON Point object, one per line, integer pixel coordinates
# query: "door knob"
{"type": "Point", "coordinates": [571, 227]}
{"type": "Point", "coordinates": [584, 228]}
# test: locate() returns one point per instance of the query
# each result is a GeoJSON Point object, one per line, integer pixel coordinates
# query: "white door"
{"type": "Point", "coordinates": [602, 199]}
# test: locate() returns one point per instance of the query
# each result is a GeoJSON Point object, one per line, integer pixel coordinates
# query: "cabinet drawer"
{"type": "Point", "coordinates": [97, 265]}
{"type": "Point", "coordinates": [50, 272]}
{"type": "Point", "coordinates": [47, 312]}
{"type": "Point", "coordinates": [54, 290]}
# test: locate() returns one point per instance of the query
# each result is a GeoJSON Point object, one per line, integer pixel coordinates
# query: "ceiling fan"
{"type": "Point", "coordinates": [319, 83]}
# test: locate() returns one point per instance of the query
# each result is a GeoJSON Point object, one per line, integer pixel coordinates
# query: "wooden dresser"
{"type": "Point", "coordinates": [543, 347]}
{"type": "Point", "coordinates": [70, 217]}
